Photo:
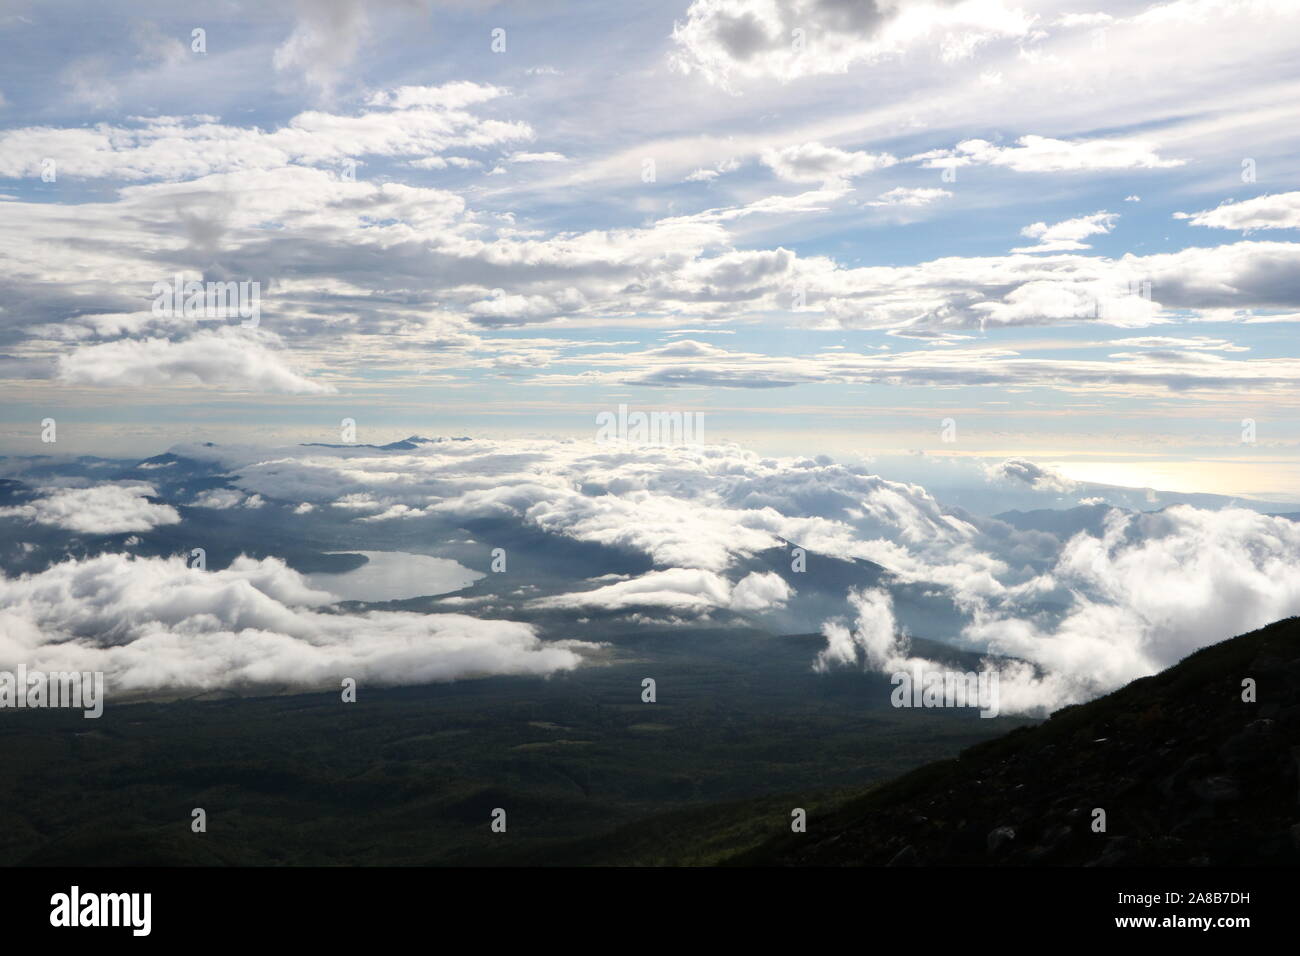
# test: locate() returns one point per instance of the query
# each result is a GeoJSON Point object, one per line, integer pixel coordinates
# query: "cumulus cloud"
{"type": "Point", "coordinates": [1027, 472]}
{"type": "Point", "coordinates": [1150, 590]}
{"type": "Point", "coordinates": [1274, 211]}
{"type": "Point", "coordinates": [101, 509]}
{"type": "Point", "coordinates": [1135, 599]}
{"type": "Point", "coordinates": [1067, 235]}
{"type": "Point", "coordinates": [153, 623]}
{"type": "Point", "coordinates": [815, 163]}
{"type": "Point", "coordinates": [733, 42]}
{"type": "Point", "coordinates": [760, 591]}
{"type": "Point", "coordinates": [875, 642]}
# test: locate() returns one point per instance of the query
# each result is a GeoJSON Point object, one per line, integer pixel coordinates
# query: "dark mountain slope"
{"type": "Point", "coordinates": [1186, 772]}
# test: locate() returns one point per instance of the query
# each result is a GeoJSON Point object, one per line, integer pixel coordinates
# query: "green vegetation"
{"type": "Point", "coordinates": [586, 772]}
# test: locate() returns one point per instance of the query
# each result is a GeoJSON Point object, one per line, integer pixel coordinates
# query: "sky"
{"type": "Point", "coordinates": [1058, 232]}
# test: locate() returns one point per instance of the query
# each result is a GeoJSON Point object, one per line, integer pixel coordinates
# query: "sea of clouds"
{"type": "Point", "coordinates": [1079, 611]}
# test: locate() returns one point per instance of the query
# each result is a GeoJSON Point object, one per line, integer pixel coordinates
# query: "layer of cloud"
{"type": "Point", "coordinates": [1043, 154]}
{"type": "Point", "coordinates": [406, 122]}
{"type": "Point", "coordinates": [101, 509]}
{"type": "Point", "coordinates": [156, 624]}
{"type": "Point", "coordinates": [1082, 608]}
{"type": "Point", "coordinates": [680, 589]}
{"type": "Point", "coordinates": [225, 358]}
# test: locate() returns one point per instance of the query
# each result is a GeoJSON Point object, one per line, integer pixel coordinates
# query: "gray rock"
{"type": "Point", "coordinates": [1001, 838]}
{"type": "Point", "coordinates": [1216, 790]}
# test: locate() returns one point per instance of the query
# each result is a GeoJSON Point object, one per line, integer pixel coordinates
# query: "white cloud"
{"type": "Point", "coordinates": [679, 589]}
{"type": "Point", "coordinates": [443, 162]}
{"type": "Point", "coordinates": [1043, 154]}
{"type": "Point", "coordinates": [223, 499]}
{"type": "Point", "coordinates": [699, 508]}
{"type": "Point", "coordinates": [1149, 372]}
{"type": "Point", "coordinates": [551, 157]}
{"type": "Point", "coordinates": [957, 293]}
{"type": "Point", "coordinates": [1084, 19]}
{"type": "Point", "coordinates": [1194, 343]}
{"type": "Point", "coordinates": [760, 592]}
{"type": "Point", "coordinates": [728, 165]}
{"type": "Point", "coordinates": [153, 623]}
{"type": "Point", "coordinates": [1149, 591]}
{"type": "Point", "coordinates": [226, 358]}
{"type": "Point", "coordinates": [905, 196]}
{"type": "Point", "coordinates": [102, 509]}
{"type": "Point", "coordinates": [815, 163]}
{"type": "Point", "coordinates": [1035, 476]}
{"type": "Point", "coordinates": [1089, 612]}
{"type": "Point", "coordinates": [876, 642]}
{"type": "Point", "coordinates": [325, 39]}
{"type": "Point", "coordinates": [407, 122]}
{"type": "Point", "coordinates": [736, 42]}
{"type": "Point", "coordinates": [1065, 236]}
{"type": "Point", "coordinates": [1274, 211]}
{"type": "Point", "coordinates": [448, 96]}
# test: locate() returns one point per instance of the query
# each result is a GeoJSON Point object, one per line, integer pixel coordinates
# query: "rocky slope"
{"type": "Point", "coordinates": [1185, 770]}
